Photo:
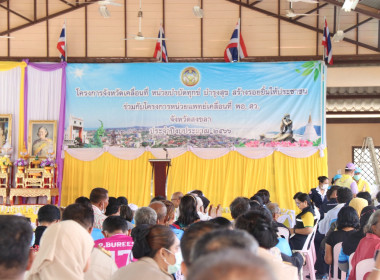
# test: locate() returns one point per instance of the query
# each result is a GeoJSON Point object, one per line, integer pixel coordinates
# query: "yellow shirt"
{"type": "Point", "coordinates": [308, 219]}
{"type": "Point", "coordinates": [363, 186]}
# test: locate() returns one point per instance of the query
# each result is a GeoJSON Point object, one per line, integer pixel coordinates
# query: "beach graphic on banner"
{"type": "Point", "coordinates": [204, 105]}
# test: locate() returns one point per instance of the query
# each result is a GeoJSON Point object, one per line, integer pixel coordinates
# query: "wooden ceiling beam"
{"type": "Point", "coordinates": [15, 13]}
{"type": "Point", "coordinates": [361, 9]}
{"type": "Point", "coordinates": [311, 11]}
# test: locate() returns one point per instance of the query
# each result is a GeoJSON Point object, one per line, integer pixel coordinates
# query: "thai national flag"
{"type": "Point", "coordinates": [326, 42]}
{"type": "Point", "coordinates": [61, 46]}
{"type": "Point", "coordinates": [231, 53]}
{"type": "Point", "coordinates": [161, 47]}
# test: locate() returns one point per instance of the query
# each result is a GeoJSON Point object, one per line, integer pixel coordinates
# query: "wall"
{"type": "Point", "coordinates": [342, 137]}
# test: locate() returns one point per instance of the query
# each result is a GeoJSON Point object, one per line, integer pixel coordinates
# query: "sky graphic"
{"type": "Point", "coordinates": [214, 76]}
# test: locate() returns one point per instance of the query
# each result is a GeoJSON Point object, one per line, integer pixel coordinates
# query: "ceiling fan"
{"type": "Point", "coordinates": [6, 37]}
{"type": "Point", "coordinates": [139, 35]}
{"type": "Point", "coordinates": [102, 6]}
{"type": "Point", "coordinates": [339, 34]}
{"type": "Point", "coordinates": [291, 14]}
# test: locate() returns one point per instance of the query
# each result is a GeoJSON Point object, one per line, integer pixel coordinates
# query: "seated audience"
{"type": "Point", "coordinates": [347, 222]}
{"type": "Point", "coordinates": [158, 198]}
{"type": "Point", "coordinates": [126, 213]}
{"type": "Point", "coordinates": [239, 206]}
{"type": "Point", "coordinates": [366, 196]}
{"type": "Point", "coordinates": [145, 216]}
{"type": "Point", "coordinates": [99, 201]}
{"type": "Point", "coordinates": [351, 242]}
{"type": "Point", "coordinates": [265, 196]}
{"type": "Point", "coordinates": [231, 264]}
{"type": "Point", "coordinates": [260, 226]}
{"type": "Point", "coordinates": [176, 199]}
{"type": "Point", "coordinates": [305, 221]}
{"type": "Point", "coordinates": [82, 200]}
{"type": "Point", "coordinates": [330, 202]}
{"type": "Point", "coordinates": [46, 216]}
{"type": "Point", "coordinates": [378, 200]}
{"type": "Point", "coordinates": [113, 209]}
{"type": "Point", "coordinates": [157, 250]}
{"type": "Point", "coordinates": [102, 265]}
{"type": "Point", "coordinates": [64, 253]}
{"type": "Point", "coordinates": [116, 240]}
{"type": "Point", "coordinates": [222, 222]}
{"type": "Point", "coordinates": [187, 212]}
{"type": "Point", "coordinates": [276, 212]}
{"type": "Point", "coordinates": [122, 200]}
{"type": "Point", "coordinates": [318, 194]}
{"type": "Point", "coordinates": [190, 237]}
{"type": "Point", "coordinates": [15, 254]}
{"type": "Point", "coordinates": [358, 204]}
{"type": "Point", "coordinates": [169, 219]}
{"type": "Point", "coordinates": [161, 211]}
{"type": "Point", "coordinates": [369, 244]}
{"type": "Point", "coordinates": [344, 195]}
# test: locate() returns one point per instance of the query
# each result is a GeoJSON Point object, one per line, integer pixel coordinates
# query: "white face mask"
{"type": "Point", "coordinates": [324, 186]}
{"type": "Point", "coordinates": [173, 268]}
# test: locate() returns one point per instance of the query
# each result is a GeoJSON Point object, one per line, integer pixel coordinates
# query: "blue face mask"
{"type": "Point", "coordinates": [173, 268]}
{"type": "Point", "coordinates": [357, 177]}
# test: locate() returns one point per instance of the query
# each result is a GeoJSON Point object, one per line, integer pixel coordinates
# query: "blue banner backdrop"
{"type": "Point", "coordinates": [205, 105]}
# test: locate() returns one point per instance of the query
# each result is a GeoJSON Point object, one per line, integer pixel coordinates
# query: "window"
{"type": "Point", "coordinates": [364, 162]}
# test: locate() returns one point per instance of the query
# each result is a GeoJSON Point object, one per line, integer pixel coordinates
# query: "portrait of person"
{"type": "Point", "coordinates": [42, 138]}
{"type": "Point", "coordinates": [5, 129]}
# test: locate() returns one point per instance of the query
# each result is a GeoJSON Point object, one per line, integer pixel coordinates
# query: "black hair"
{"type": "Point", "coordinates": [112, 208]}
{"type": "Point", "coordinates": [254, 204]}
{"type": "Point", "coordinates": [239, 206]}
{"type": "Point", "coordinates": [15, 238]}
{"type": "Point", "coordinates": [191, 236]}
{"type": "Point", "coordinates": [347, 217]}
{"type": "Point", "coordinates": [98, 194]}
{"type": "Point", "coordinates": [344, 195]}
{"type": "Point", "coordinates": [158, 198]}
{"type": "Point", "coordinates": [259, 226]}
{"type": "Point", "coordinates": [222, 222]}
{"type": "Point", "coordinates": [303, 197]}
{"type": "Point", "coordinates": [205, 201]}
{"type": "Point", "coordinates": [126, 213]}
{"type": "Point", "coordinates": [48, 213]}
{"type": "Point", "coordinates": [331, 190]}
{"type": "Point", "coordinates": [378, 196]}
{"type": "Point", "coordinates": [321, 179]}
{"type": "Point", "coordinates": [197, 192]}
{"type": "Point", "coordinates": [366, 196]}
{"type": "Point", "coordinates": [112, 200]}
{"type": "Point", "coordinates": [258, 198]}
{"type": "Point", "coordinates": [265, 195]}
{"type": "Point", "coordinates": [365, 215]}
{"type": "Point", "coordinates": [122, 200]}
{"type": "Point", "coordinates": [80, 213]}
{"type": "Point", "coordinates": [188, 210]}
{"type": "Point", "coordinates": [222, 239]}
{"type": "Point", "coordinates": [115, 223]}
{"type": "Point", "coordinates": [82, 200]}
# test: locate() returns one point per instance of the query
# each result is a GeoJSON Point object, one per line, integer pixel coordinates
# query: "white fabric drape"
{"type": "Point", "coordinates": [44, 94]}
{"type": "Point", "coordinates": [10, 82]}
{"type": "Point", "coordinates": [252, 153]}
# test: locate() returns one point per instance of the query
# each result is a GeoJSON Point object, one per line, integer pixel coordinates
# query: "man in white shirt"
{"type": "Point", "coordinates": [344, 195]}
{"type": "Point", "coordinates": [176, 199]}
{"type": "Point", "coordinates": [99, 201]}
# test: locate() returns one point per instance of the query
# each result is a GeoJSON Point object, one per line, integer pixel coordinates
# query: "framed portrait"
{"type": "Point", "coordinates": [5, 130]}
{"type": "Point", "coordinates": [42, 138]}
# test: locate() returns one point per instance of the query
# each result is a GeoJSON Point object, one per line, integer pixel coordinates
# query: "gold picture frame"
{"type": "Point", "coordinates": [42, 138]}
{"type": "Point", "coordinates": [5, 129]}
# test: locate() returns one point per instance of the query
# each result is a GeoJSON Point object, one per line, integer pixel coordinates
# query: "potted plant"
{"type": "Point", "coordinates": [20, 163]}
{"type": "Point", "coordinates": [5, 162]}
{"type": "Point", "coordinates": [48, 164]}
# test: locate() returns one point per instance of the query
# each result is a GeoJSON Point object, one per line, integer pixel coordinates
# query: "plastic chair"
{"type": "Point", "coordinates": [336, 252]}
{"type": "Point", "coordinates": [283, 232]}
{"type": "Point", "coordinates": [309, 252]}
{"type": "Point", "coordinates": [350, 262]}
{"type": "Point", "coordinates": [363, 267]}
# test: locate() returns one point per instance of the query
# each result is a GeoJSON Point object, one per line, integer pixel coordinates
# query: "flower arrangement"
{"type": "Point", "coordinates": [47, 162]}
{"type": "Point", "coordinates": [21, 162]}
{"type": "Point", "coordinates": [5, 161]}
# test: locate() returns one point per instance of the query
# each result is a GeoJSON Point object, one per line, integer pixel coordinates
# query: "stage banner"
{"type": "Point", "coordinates": [203, 105]}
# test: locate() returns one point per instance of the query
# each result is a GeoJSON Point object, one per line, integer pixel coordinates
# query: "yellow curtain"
{"type": "Point", "coordinates": [221, 179]}
{"type": "Point", "coordinates": [6, 66]}
{"type": "Point", "coordinates": [130, 178]}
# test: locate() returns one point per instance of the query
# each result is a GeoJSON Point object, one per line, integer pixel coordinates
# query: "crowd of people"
{"type": "Point", "coordinates": [102, 237]}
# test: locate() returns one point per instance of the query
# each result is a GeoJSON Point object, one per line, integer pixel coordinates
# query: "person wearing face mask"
{"type": "Point", "coordinates": [99, 201]}
{"type": "Point", "coordinates": [318, 194]}
{"type": "Point", "coordinates": [363, 185]}
{"type": "Point", "coordinates": [158, 252]}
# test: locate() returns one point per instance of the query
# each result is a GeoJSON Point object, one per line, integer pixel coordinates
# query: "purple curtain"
{"type": "Point", "coordinates": [62, 111]}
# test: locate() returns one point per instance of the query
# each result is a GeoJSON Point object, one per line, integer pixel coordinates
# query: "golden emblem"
{"type": "Point", "coordinates": [190, 76]}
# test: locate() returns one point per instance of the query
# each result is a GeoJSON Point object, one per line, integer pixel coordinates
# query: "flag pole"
{"type": "Point", "coordinates": [324, 33]}
{"type": "Point", "coordinates": [161, 40]}
{"type": "Point", "coordinates": [238, 40]}
{"type": "Point", "coordinates": [65, 41]}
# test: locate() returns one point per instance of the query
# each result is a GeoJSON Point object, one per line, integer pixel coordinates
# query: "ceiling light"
{"type": "Point", "coordinates": [339, 36]}
{"type": "Point", "coordinates": [349, 5]}
{"type": "Point", "coordinates": [198, 12]}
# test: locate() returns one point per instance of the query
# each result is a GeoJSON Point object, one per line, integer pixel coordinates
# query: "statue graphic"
{"type": "Point", "coordinates": [97, 140]}
{"type": "Point", "coordinates": [286, 130]}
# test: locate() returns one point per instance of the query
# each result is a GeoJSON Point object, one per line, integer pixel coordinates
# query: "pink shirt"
{"type": "Point", "coordinates": [120, 246]}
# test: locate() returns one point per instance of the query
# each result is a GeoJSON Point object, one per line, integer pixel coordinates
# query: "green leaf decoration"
{"type": "Point", "coordinates": [308, 64]}
{"type": "Point", "coordinates": [319, 66]}
{"type": "Point", "coordinates": [317, 142]}
{"type": "Point", "coordinates": [308, 71]}
{"type": "Point", "coordinates": [240, 145]}
{"type": "Point", "coordinates": [298, 70]}
{"type": "Point", "coordinates": [316, 74]}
